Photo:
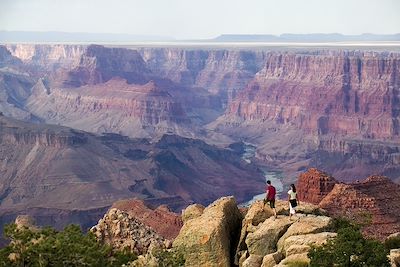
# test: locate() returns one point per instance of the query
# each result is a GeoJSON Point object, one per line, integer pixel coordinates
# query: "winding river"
{"type": "Point", "coordinates": [274, 177]}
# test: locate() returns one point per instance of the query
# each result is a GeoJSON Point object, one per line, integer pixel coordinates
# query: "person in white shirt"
{"type": "Point", "coordinates": [293, 201]}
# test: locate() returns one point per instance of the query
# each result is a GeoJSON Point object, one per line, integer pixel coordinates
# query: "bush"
{"type": "Point", "coordinates": [170, 258]}
{"type": "Point", "coordinates": [48, 247]}
{"type": "Point", "coordinates": [349, 248]}
{"type": "Point", "coordinates": [392, 243]}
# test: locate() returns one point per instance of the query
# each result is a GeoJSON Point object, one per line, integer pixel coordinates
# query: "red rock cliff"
{"type": "Point", "coordinates": [375, 200]}
{"type": "Point", "coordinates": [349, 93]}
{"type": "Point", "coordinates": [314, 185]}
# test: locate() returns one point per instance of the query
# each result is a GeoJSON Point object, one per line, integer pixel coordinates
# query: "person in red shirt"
{"type": "Point", "coordinates": [270, 196]}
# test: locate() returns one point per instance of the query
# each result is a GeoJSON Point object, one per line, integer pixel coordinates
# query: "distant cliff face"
{"type": "Point", "coordinates": [335, 109]}
{"type": "Point", "coordinates": [114, 106]}
{"type": "Point", "coordinates": [218, 71]}
{"type": "Point", "coordinates": [347, 93]}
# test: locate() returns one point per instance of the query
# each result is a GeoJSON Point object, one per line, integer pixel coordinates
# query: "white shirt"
{"type": "Point", "coordinates": [293, 195]}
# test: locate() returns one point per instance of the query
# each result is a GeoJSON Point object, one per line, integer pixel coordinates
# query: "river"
{"type": "Point", "coordinates": [273, 176]}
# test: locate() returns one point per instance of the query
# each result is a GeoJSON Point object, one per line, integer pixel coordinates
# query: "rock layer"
{"type": "Point", "coordinates": [314, 185]}
{"type": "Point", "coordinates": [373, 201]}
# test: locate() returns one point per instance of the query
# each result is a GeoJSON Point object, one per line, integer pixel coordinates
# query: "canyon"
{"type": "Point", "coordinates": [63, 175]}
{"type": "Point", "coordinates": [158, 123]}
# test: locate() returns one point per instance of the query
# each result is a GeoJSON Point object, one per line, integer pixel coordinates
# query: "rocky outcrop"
{"type": "Point", "coordinates": [122, 231]}
{"type": "Point", "coordinates": [313, 185]}
{"type": "Point", "coordinates": [265, 237]}
{"type": "Point", "coordinates": [163, 221]}
{"type": "Point", "coordinates": [210, 239]}
{"type": "Point", "coordinates": [394, 257]}
{"type": "Point", "coordinates": [191, 212]}
{"type": "Point", "coordinates": [373, 201]}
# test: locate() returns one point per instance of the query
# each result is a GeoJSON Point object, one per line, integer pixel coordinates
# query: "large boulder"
{"type": "Point", "coordinates": [191, 212]}
{"type": "Point", "coordinates": [298, 244]}
{"type": "Point", "coordinates": [394, 257]}
{"type": "Point", "coordinates": [306, 225]}
{"type": "Point", "coordinates": [272, 259]}
{"type": "Point", "coordinates": [209, 240]}
{"type": "Point", "coordinates": [264, 239]}
{"type": "Point", "coordinates": [253, 261]}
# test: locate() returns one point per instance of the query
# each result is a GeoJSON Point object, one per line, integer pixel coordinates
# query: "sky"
{"type": "Point", "coordinates": [190, 19]}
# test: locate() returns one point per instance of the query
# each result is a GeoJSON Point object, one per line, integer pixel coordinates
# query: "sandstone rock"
{"type": "Point", "coordinates": [297, 249]}
{"type": "Point", "coordinates": [253, 261]}
{"type": "Point", "coordinates": [272, 259]}
{"type": "Point", "coordinates": [191, 212]}
{"type": "Point", "coordinates": [282, 208]}
{"type": "Point", "coordinates": [299, 242]}
{"type": "Point", "coordinates": [25, 221]}
{"type": "Point", "coordinates": [209, 240]}
{"type": "Point", "coordinates": [165, 222]}
{"type": "Point", "coordinates": [121, 231]}
{"type": "Point", "coordinates": [306, 225]}
{"type": "Point", "coordinates": [257, 213]}
{"type": "Point", "coordinates": [263, 241]}
{"type": "Point", "coordinates": [314, 185]}
{"type": "Point", "coordinates": [394, 257]}
{"type": "Point", "coordinates": [394, 235]}
{"type": "Point", "coordinates": [242, 255]}
{"type": "Point", "coordinates": [293, 259]}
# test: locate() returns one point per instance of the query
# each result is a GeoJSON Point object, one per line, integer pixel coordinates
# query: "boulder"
{"type": "Point", "coordinates": [122, 231]}
{"type": "Point", "coordinates": [253, 261]}
{"type": "Point", "coordinates": [394, 257]}
{"type": "Point", "coordinates": [192, 211]}
{"type": "Point", "coordinates": [295, 260]}
{"type": "Point", "coordinates": [242, 256]}
{"type": "Point", "coordinates": [257, 213]}
{"type": "Point", "coordinates": [306, 225]}
{"type": "Point", "coordinates": [394, 235]}
{"type": "Point", "coordinates": [301, 242]}
{"type": "Point", "coordinates": [263, 240]}
{"type": "Point", "coordinates": [209, 239]}
{"type": "Point", "coordinates": [297, 249]}
{"type": "Point", "coordinates": [272, 259]}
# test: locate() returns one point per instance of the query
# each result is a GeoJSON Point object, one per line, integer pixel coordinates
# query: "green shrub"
{"type": "Point", "coordinates": [392, 243]}
{"type": "Point", "coordinates": [170, 258]}
{"type": "Point", "coordinates": [48, 247]}
{"type": "Point", "coordinates": [351, 249]}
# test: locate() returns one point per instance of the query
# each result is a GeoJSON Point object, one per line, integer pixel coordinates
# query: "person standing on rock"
{"type": "Point", "coordinates": [270, 196]}
{"type": "Point", "coordinates": [293, 201]}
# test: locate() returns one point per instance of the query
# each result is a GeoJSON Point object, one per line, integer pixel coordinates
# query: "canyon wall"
{"type": "Point", "coordinates": [331, 108]}
{"type": "Point", "coordinates": [328, 92]}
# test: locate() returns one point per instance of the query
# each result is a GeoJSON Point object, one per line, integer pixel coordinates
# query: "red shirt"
{"type": "Point", "coordinates": [271, 191]}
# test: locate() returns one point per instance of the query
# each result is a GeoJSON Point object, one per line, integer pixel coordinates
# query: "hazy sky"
{"type": "Point", "coordinates": [202, 18]}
